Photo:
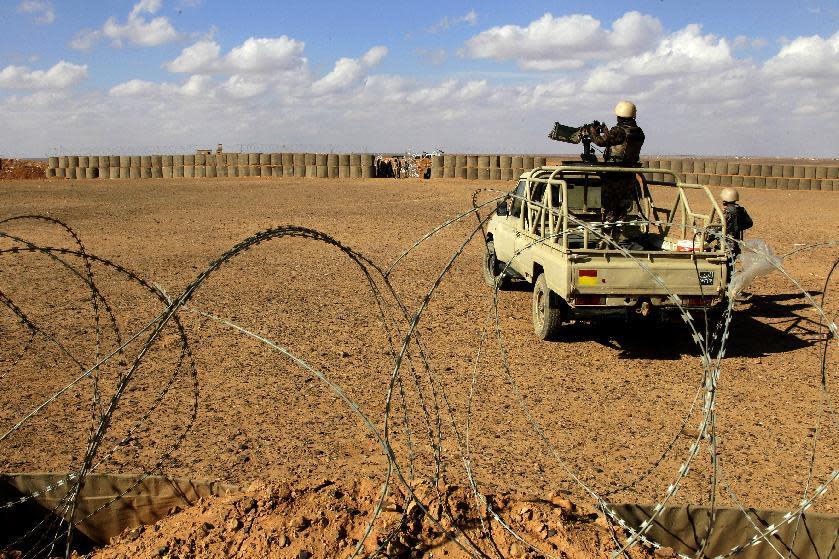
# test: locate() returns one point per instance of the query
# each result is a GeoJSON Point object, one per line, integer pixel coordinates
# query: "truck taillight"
{"type": "Point", "coordinates": [589, 300]}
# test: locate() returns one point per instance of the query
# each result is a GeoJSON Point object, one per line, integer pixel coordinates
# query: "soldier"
{"type": "Point", "coordinates": [737, 220]}
{"type": "Point", "coordinates": [623, 146]}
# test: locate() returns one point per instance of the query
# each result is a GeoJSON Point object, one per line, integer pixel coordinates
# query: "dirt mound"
{"type": "Point", "coordinates": [323, 519]}
{"type": "Point", "coordinates": [22, 169]}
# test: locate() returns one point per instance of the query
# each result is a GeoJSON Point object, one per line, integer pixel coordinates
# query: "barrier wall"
{"type": "Point", "coordinates": [503, 167]}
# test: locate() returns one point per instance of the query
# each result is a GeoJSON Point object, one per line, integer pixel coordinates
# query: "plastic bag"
{"type": "Point", "coordinates": [756, 259]}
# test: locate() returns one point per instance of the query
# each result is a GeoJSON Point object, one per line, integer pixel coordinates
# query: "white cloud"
{"type": "Point", "coordinates": [138, 29]}
{"type": "Point", "coordinates": [470, 18]}
{"type": "Point", "coordinates": [201, 57]}
{"type": "Point", "coordinates": [565, 42]}
{"type": "Point", "coordinates": [348, 72]}
{"type": "Point", "coordinates": [806, 57]}
{"type": "Point", "coordinates": [61, 76]}
{"type": "Point", "coordinates": [435, 57]}
{"type": "Point", "coordinates": [43, 10]}
{"type": "Point", "coordinates": [133, 88]}
{"type": "Point", "coordinates": [254, 56]}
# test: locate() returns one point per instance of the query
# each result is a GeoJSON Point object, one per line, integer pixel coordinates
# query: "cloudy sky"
{"type": "Point", "coordinates": [143, 76]}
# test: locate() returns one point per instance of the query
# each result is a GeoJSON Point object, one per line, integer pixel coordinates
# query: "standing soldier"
{"type": "Point", "coordinates": [737, 220]}
{"type": "Point", "coordinates": [623, 146]}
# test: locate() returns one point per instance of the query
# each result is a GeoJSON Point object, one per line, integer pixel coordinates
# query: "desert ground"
{"type": "Point", "coordinates": [605, 404]}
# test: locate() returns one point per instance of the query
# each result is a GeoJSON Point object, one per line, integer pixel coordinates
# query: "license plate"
{"type": "Point", "coordinates": [706, 278]}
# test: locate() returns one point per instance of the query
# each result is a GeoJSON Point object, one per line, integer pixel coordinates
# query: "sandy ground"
{"type": "Point", "coordinates": [609, 398]}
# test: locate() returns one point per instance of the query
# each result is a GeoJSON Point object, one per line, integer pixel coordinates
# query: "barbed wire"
{"type": "Point", "coordinates": [402, 329]}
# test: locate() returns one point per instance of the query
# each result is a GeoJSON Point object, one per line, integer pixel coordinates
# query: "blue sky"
{"type": "Point", "coordinates": [710, 78]}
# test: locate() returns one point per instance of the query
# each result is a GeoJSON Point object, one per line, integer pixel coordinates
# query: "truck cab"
{"type": "Point", "coordinates": [548, 232]}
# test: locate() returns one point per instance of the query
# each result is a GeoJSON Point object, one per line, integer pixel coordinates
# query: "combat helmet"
{"type": "Point", "coordinates": [729, 195]}
{"type": "Point", "coordinates": [625, 109]}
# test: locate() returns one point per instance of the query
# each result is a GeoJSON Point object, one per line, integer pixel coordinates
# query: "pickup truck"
{"type": "Point", "coordinates": [546, 232]}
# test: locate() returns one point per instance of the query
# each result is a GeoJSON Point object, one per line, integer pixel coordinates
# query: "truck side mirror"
{"type": "Point", "coordinates": [501, 209]}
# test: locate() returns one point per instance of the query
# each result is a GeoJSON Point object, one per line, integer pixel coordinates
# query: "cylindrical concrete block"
{"type": "Point", "coordinates": [275, 159]}
{"type": "Point", "coordinates": [332, 171]}
{"type": "Point", "coordinates": [461, 172]}
{"type": "Point", "coordinates": [320, 159]}
{"type": "Point", "coordinates": [299, 171]}
{"type": "Point", "coordinates": [298, 159]}
{"type": "Point", "coordinates": [253, 159]}
{"type": "Point", "coordinates": [760, 182]}
{"type": "Point", "coordinates": [833, 172]}
{"type": "Point", "coordinates": [783, 183]}
{"type": "Point", "coordinates": [84, 162]}
{"type": "Point", "coordinates": [687, 166]}
{"type": "Point", "coordinates": [178, 160]}
{"type": "Point", "coordinates": [167, 172]}
{"type": "Point", "coordinates": [731, 168]}
{"type": "Point", "coordinates": [332, 160]}
{"type": "Point", "coordinates": [765, 170]}
{"type": "Point", "coordinates": [725, 180]}
{"type": "Point", "coordinates": [343, 170]}
{"type": "Point", "coordinates": [133, 173]}
{"type": "Point", "coordinates": [355, 161]}
{"type": "Point", "coordinates": [472, 173]}
{"type": "Point", "coordinates": [145, 172]}
{"type": "Point", "coordinates": [809, 171]}
{"type": "Point", "coordinates": [805, 184]}
{"type": "Point", "coordinates": [344, 161]}
{"type": "Point", "coordinates": [789, 172]}
{"type": "Point", "coordinates": [210, 171]}
{"type": "Point", "coordinates": [167, 161]}
{"type": "Point", "coordinates": [309, 159]}
{"type": "Point", "coordinates": [320, 171]}
{"type": "Point", "coordinates": [495, 173]}
{"type": "Point", "coordinates": [771, 182]}
{"type": "Point", "coordinates": [472, 161]}
{"type": "Point", "coordinates": [200, 171]}
{"type": "Point", "coordinates": [713, 180]}
{"type": "Point", "coordinates": [255, 170]}
{"type": "Point", "coordinates": [483, 161]}
{"type": "Point", "coordinates": [436, 162]}
{"type": "Point", "coordinates": [459, 161]}
{"type": "Point", "coordinates": [63, 162]}
{"type": "Point", "coordinates": [114, 172]}
{"type": "Point", "coordinates": [157, 172]}
{"type": "Point", "coordinates": [200, 160]}
{"type": "Point", "coordinates": [367, 159]}
{"type": "Point", "coordinates": [506, 174]}
{"type": "Point", "coordinates": [178, 172]}
{"type": "Point", "coordinates": [368, 171]}
{"type": "Point", "coordinates": [145, 161]}
{"type": "Point", "coordinates": [821, 172]}
{"type": "Point", "coordinates": [125, 172]}
{"type": "Point", "coordinates": [748, 182]}
{"type": "Point", "coordinates": [517, 162]}
{"type": "Point", "coordinates": [189, 159]}
{"type": "Point", "coordinates": [241, 159]}
{"type": "Point", "coordinates": [288, 170]}
{"type": "Point", "coordinates": [540, 161]}
{"type": "Point", "coordinates": [448, 172]}
{"type": "Point", "coordinates": [265, 170]}
{"type": "Point", "coordinates": [210, 160]}
{"type": "Point", "coordinates": [53, 163]}
{"type": "Point", "coordinates": [71, 172]}
{"type": "Point", "coordinates": [777, 171]}
{"type": "Point", "coordinates": [505, 161]}
{"type": "Point", "coordinates": [72, 161]}
{"type": "Point", "coordinates": [519, 172]}
{"type": "Point", "coordinates": [157, 161]}
{"type": "Point", "coordinates": [798, 171]}
{"type": "Point", "coordinates": [737, 181]}
{"type": "Point", "coordinates": [61, 173]}
{"type": "Point", "coordinates": [189, 171]}
{"type": "Point", "coordinates": [286, 159]}
{"type": "Point", "coordinates": [448, 160]}
{"type": "Point", "coordinates": [228, 159]}
{"type": "Point", "coordinates": [483, 174]}
{"type": "Point", "coordinates": [355, 171]}
{"type": "Point", "coordinates": [527, 161]}
{"type": "Point", "coordinates": [691, 177]}
{"type": "Point", "coordinates": [436, 172]}
{"type": "Point", "coordinates": [676, 165]}
{"type": "Point", "coordinates": [264, 159]}
{"type": "Point", "coordinates": [311, 171]}
{"type": "Point", "coordinates": [233, 171]}
{"type": "Point", "coordinates": [221, 170]}
{"type": "Point", "coordinates": [50, 173]}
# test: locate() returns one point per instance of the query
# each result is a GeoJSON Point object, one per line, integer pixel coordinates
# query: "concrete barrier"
{"type": "Point", "coordinates": [133, 172]}
{"type": "Point", "coordinates": [166, 172]}
{"type": "Point", "coordinates": [210, 171]}
{"type": "Point", "coordinates": [483, 174]}
{"type": "Point", "coordinates": [332, 160]}
{"type": "Point", "coordinates": [309, 159]}
{"type": "Point", "coordinates": [472, 173]}
{"type": "Point", "coordinates": [483, 162]}
{"type": "Point", "coordinates": [277, 170]}
{"type": "Point", "coordinates": [436, 163]}
{"type": "Point", "coordinates": [63, 162]}
{"type": "Point", "coordinates": [517, 162]}
{"type": "Point", "coordinates": [265, 170]}
{"type": "Point", "coordinates": [344, 170]}
{"type": "Point", "coordinates": [505, 161]}
{"type": "Point", "coordinates": [189, 171]}
{"type": "Point", "coordinates": [71, 172]}
{"type": "Point", "coordinates": [367, 159]}
{"type": "Point", "coordinates": [540, 161]}
{"type": "Point", "coordinates": [156, 173]}
{"type": "Point", "coordinates": [299, 171]}
{"type": "Point", "coordinates": [437, 172]}
{"type": "Point", "coordinates": [355, 170]}
{"type": "Point", "coordinates": [344, 161]}
{"type": "Point", "coordinates": [369, 171]}
{"type": "Point", "coordinates": [448, 172]}
{"type": "Point", "coordinates": [243, 170]}
{"type": "Point", "coordinates": [125, 172]}
{"type": "Point", "coordinates": [506, 174]}
{"type": "Point", "coordinates": [332, 171]}
{"type": "Point", "coordinates": [114, 172]}
{"type": "Point", "coordinates": [527, 162]}
{"type": "Point", "coordinates": [157, 161]}
{"type": "Point", "coordinates": [472, 161]}
{"type": "Point", "coordinates": [288, 170]}
{"type": "Point", "coordinates": [355, 161]}
{"type": "Point", "coordinates": [495, 174]}
{"type": "Point", "coordinates": [264, 159]}
{"type": "Point", "coordinates": [459, 161]}
{"type": "Point", "coordinates": [189, 160]}
{"type": "Point", "coordinates": [253, 159]}
{"type": "Point", "coordinates": [311, 170]}
{"type": "Point", "coordinates": [255, 170]}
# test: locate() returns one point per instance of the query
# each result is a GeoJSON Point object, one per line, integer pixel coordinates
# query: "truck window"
{"type": "Point", "coordinates": [515, 211]}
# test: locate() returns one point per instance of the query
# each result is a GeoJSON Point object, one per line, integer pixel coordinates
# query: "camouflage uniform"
{"type": "Point", "coordinates": [623, 145]}
{"type": "Point", "coordinates": [737, 220]}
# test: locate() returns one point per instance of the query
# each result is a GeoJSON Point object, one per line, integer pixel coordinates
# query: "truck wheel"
{"type": "Point", "coordinates": [547, 310]}
{"type": "Point", "coordinates": [492, 269]}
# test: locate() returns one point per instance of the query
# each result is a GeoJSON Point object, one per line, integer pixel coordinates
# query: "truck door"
{"type": "Point", "coordinates": [510, 225]}
{"type": "Point", "coordinates": [530, 229]}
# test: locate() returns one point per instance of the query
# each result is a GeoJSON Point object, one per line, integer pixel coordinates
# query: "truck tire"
{"type": "Point", "coordinates": [547, 310]}
{"type": "Point", "coordinates": [492, 269]}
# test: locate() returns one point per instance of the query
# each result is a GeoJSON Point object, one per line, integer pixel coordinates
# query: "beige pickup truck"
{"type": "Point", "coordinates": [546, 233]}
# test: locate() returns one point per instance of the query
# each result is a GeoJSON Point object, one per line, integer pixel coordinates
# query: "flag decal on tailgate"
{"type": "Point", "coordinates": [587, 277]}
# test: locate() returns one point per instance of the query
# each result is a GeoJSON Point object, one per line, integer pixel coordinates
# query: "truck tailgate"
{"type": "Point", "coordinates": [683, 273]}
